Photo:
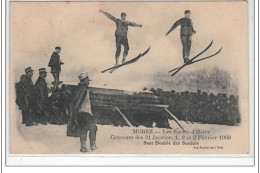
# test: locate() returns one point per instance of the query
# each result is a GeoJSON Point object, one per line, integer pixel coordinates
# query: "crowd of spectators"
{"type": "Point", "coordinates": [201, 107]}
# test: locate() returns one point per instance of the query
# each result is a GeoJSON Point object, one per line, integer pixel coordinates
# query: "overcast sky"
{"type": "Point", "coordinates": [88, 42]}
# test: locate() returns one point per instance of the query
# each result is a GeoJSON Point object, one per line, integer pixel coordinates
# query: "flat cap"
{"type": "Point", "coordinates": [28, 69]}
{"type": "Point", "coordinates": [42, 70]}
{"type": "Point", "coordinates": [187, 11]}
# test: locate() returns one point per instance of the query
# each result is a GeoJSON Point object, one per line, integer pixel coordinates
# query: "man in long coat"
{"type": "Point", "coordinates": [42, 92]}
{"type": "Point", "coordinates": [81, 119]}
{"type": "Point", "coordinates": [32, 111]}
{"type": "Point", "coordinates": [21, 97]}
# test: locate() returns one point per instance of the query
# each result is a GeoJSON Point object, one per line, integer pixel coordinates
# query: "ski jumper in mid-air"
{"type": "Point", "coordinates": [186, 33]}
{"type": "Point", "coordinates": [121, 33]}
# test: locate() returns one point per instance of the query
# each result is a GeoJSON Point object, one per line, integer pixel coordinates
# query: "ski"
{"type": "Point", "coordinates": [193, 59]}
{"type": "Point", "coordinates": [127, 62]}
{"type": "Point", "coordinates": [199, 59]}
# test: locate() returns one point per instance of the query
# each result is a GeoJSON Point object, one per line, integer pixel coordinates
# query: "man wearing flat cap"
{"type": "Point", "coordinates": [187, 31]}
{"type": "Point", "coordinates": [55, 65]}
{"type": "Point", "coordinates": [81, 119]}
{"type": "Point", "coordinates": [42, 92]}
{"type": "Point", "coordinates": [121, 33]}
{"type": "Point", "coordinates": [31, 112]}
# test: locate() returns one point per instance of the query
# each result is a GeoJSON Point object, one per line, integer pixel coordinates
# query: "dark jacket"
{"type": "Point", "coordinates": [55, 63]}
{"type": "Point", "coordinates": [78, 96]}
{"type": "Point", "coordinates": [21, 96]}
{"type": "Point", "coordinates": [121, 25]}
{"type": "Point", "coordinates": [30, 92]}
{"type": "Point", "coordinates": [42, 92]}
{"type": "Point", "coordinates": [186, 26]}
{"type": "Point", "coordinates": [41, 88]}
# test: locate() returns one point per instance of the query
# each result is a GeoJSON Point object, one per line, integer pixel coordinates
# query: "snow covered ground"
{"type": "Point", "coordinates": [52, 139]}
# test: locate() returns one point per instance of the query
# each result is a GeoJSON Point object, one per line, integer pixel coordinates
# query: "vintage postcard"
{"type": "Point", "coordinates": [100, 78]}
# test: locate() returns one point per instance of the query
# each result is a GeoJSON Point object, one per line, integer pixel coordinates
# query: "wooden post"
{"type": "Point", "coordinates": [126, 120]}
{"type": "Point", "coordinates": [174, 118]}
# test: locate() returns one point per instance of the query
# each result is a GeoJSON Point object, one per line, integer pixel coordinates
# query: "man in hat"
{"type": "Point", "coordinates": [42, 92]}
{"type": "Point", "coordinates": [121, 33]}
{"type": "Point", "coordinates": [186, 32]}
{"type": "Point", "coordinates": [81, 119]}
{"type": "Point", "coordinates": [55, 65]}
{"type": "Point", "coordinates": [31, 112]}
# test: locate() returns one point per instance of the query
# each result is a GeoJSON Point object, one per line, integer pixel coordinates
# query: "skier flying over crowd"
{"type": "Point", "coordinates": [121, 33]}
{"type": "Point", "coordinates": [186, 33]}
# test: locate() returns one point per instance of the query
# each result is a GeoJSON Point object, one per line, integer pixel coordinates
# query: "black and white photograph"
{"type": "Point", "coordinates": [95, 78]}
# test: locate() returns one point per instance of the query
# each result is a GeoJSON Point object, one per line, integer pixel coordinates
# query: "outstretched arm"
{"type": "Point", "coordinates": [134, 24]}
{"type": "Point", "coordinates": [173, 27]}
{"type": "Point", "coordinates": [108, 15]}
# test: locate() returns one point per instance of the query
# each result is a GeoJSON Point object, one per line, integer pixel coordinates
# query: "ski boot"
{"type": "Point", "coordinates": [186, 60]}
{"type": "Point", "coordinates": [116, 64]}
{"type": "Point", "coordinates": [124, 58]}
